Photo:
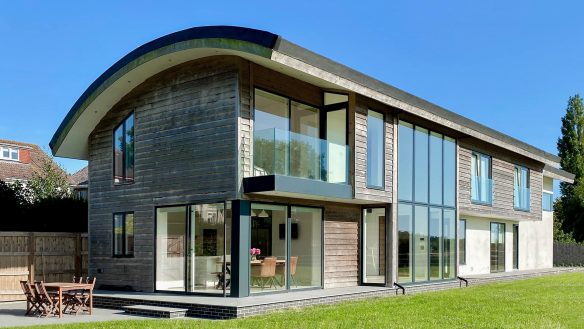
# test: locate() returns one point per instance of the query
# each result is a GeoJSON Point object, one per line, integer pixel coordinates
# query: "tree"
{"type": "Point", "coordinates": [569, 209]}
{"type": "Point", "coordinates": [49, 181]}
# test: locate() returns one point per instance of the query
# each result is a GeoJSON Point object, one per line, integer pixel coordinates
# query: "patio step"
{"type": "Point", "coordinates": [156, 311]}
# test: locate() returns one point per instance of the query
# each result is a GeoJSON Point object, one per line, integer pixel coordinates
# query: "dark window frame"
{"type": "Point", "coordinates": [124, 179]}
{"type": "Point", "coordinates": [527, 186]}
{"type": "Point", "coordinates": [462, 247]}
{"type": "Point", "coordinates": [124, 248]}
{"type": "Point", "coordinates": [369, 185]}
{"type": "Point", "coordinates": [489, 176]}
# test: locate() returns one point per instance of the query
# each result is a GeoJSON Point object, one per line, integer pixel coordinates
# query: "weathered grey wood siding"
{"type": "Point", "coordinates": [362, 191]}
{"type": "Point", "coordinates": [185, 146]}
{"type": "Point", "coordinates": [503, 166]}
{"type": "Point", "coordinates": [342, 246]}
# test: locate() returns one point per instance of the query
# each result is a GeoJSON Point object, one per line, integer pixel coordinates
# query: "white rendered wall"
{"type": "Point", "coordinates": [535, 244]}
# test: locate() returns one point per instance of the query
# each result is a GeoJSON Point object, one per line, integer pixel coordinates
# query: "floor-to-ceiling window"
{"type": "Point", "coordinates": [193, 248]}
{"type": "Point", "coordinates": [497, 247]}
{"type": "Point", "coordinates": [288, 137]}
{"type": "Point", "coordinates": [286, 247]}
{"type": "Point", "coordinates": [427, 201]}
{"type": "Point", "coordinates": [373, 236]}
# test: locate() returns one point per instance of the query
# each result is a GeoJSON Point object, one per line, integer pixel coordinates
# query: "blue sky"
{"type": "Point", "coordinates": [510, 65]}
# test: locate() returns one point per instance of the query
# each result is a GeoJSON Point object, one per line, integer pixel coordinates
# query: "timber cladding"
{"type": "Point", "coordinates": [503, 187]}
{"type": "Point", "coordinates": [362, 191]}
{"type": "Point", "coordinates": [185, 146]}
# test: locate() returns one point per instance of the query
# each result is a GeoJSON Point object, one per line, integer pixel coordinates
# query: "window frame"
{"type": "Point", "coordinates": [123, 247]}
{"type": "Point", "coordinates": [527, 186]}
{"type": "Point", "coordinates": [123, 180]}
{"type": "Point", "coordinates": [10, 150]}
{"type": "Point", "coordinates": [462, 247]}
{"type": "Point", "coordinates": [369, 185]}
{"type": "Point", "coordinates": [478, 156]}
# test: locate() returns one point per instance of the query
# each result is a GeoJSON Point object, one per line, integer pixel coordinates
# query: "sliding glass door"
{"type": "Point", "coordinates": [193, 248]}
{"type": "Point", "coordinates": [286, 248]}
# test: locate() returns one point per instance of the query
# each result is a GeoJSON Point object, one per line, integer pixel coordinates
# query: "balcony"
{"type": "Point", "coordinates": [291, 164]}
{"type": "Point", "coordinates": [522, 198]}
{"type": "Point", "coordinates": [547, 201]}
{"type": "Point", "coordinates": [481, 190]}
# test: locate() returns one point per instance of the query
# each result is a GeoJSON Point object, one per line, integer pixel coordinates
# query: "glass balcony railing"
{"type": "Point", "coordinates": [481, 190]}
{"type": "Point", "coordinates": [280, 152]}
{"type": "Point", "coordinates": [522, 198]}
{"type": "Point", "coordinates": [547, 201]}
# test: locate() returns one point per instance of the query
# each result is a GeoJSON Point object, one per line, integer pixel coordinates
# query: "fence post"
{"type": "Point", "coordinates": [78, 270]}
{"type": "Point", "coordinates": [31, 256]}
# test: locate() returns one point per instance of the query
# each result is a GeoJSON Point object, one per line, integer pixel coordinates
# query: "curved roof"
{"type": "Point", "coordinates": [264, 48]}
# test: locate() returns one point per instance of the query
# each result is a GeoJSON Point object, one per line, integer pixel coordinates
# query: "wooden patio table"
{"type": "Point", "coordinates": [61, 287]}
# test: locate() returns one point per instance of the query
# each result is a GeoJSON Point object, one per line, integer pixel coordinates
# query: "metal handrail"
{"type": "Point", "coordinates": [399, 286]}
{"type": "Point", "coordinates": [461, 280]}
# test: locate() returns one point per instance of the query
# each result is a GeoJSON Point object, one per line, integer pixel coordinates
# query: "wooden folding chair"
{"type": "Point", "coordinates": [48, 304]}
{"type": "Point", "coordinates": [32, 302]}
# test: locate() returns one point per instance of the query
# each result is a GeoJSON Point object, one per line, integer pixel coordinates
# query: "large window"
{"type": "Point", "coordinates": [374, 228]}
{"type": "Point", "coordinates": [193, 248]}
{"type": "Point", "coordinates": [462, 241]}
{"type": "Point", "coordinates": [9, 153]}
{"type": "Point", "coordinates": [426, 210]}
{"type": "Point", "coordinates": [123, 145]}
{"type": "Point", "coordinates": [481, 179]}
{"type": "Point", "coordinates": [375, 150]}
{"type": "Point", "coordinates": [286, 248]}
{"type": "Point", "coordinates": [497, 247]}
{"type": "Point", "coordinates": [287, 139]}
{"type": "Point", "coordinates": [123, 234]}
{"type": "Point", "coordinates": [522, 192]}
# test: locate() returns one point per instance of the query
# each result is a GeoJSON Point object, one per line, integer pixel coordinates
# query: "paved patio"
{"type": "Point", "coordinates": [12, 314]}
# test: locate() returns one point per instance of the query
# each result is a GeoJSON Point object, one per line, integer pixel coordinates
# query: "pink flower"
{"type": "Point", "coordinates": [255, 251]}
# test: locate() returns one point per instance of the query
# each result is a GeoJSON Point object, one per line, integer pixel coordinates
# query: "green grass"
{"type": "Point", "coordinates": [555, 301]}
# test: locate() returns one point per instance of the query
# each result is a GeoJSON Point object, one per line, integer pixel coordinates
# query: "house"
{"type": "Point", "coordinates": [230, 160]}
{"type": "Point", "coordinates": [19, 160]}
{"type": "Point", "coordinates": [79, 182]}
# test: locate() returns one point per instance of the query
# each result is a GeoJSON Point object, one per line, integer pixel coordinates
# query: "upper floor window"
{"type": "Point", "coordinates": [9, 153]}
{"type": "Point", "coordinates": [123, 234]}
{"type": "Point", "coordinates": [287, 138]}
{"type": "Point", "coordinates": [522, 192]}
{"type": "Point", "coordinates": [481, 190]}
{"type": "Point", "coordinates": [124, 151]}
{"type": "Point", "coordinates": [426, 166]}
{"type": "Point", "coordinates": [375, 149]}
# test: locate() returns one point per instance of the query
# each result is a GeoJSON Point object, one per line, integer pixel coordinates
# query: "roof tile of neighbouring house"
{"type": "Point", "coordinates": [21, 170]}
{"type": "Point", "coordinates": [81, 177]}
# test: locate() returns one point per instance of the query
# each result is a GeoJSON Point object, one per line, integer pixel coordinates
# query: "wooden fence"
{"type": "Point", "coordinates": [50, 257]}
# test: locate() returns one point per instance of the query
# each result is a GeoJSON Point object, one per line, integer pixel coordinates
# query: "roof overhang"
{"type": "Point", "coordinates": [266, 49]}
{"type": "Point", "coordinates": [558, 174]}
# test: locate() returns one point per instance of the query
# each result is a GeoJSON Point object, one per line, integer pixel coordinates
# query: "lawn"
{"type": "Point", "coordinates": [555, 301]}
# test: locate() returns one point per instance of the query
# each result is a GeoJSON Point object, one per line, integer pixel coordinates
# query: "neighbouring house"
{"type": "Point", "coordinates": [19, 161]}
{"type": "Point", "coordinates": [79, 183]}
{"type": "Point", "coordinates": [227, 158]}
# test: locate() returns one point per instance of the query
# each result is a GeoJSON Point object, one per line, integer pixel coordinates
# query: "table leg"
{"type": "Point", "coordinates": [90, 301]}
{"type": "Point", "coordinates": [60, 302]}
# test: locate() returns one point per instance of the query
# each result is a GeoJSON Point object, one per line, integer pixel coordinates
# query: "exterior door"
{"type": "Point", "coordinates": [497, 247]}
{"type": "Point", "coordinates": [374, 246]}
{"type": "Point", "coordinates": [515, 246]}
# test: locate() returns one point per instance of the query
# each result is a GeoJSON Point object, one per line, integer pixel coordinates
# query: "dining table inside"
{"type": "Point", "coordinates": [63, 287]}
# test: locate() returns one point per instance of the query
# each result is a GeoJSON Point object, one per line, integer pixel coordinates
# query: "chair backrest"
{"type": "Point", "coordinates": [91, 281]}
{"type": "Point", "coordinates": [293, 262]}
{"type": "Point", "coordinates": [42, 292]}
{"type": "Point", "coordinates": [23, 287]}
{"type": "Point", "coordinates": [268, 267]}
